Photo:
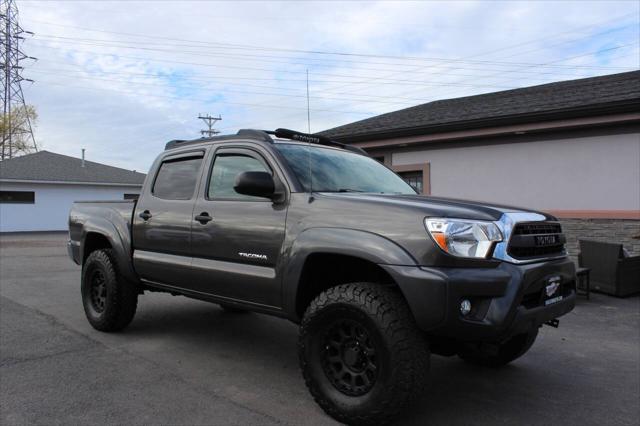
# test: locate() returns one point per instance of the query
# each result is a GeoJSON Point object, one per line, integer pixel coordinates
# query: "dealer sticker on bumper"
{"type": "Point", "coordinates": [552, 288]}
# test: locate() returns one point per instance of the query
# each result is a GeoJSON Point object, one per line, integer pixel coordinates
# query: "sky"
{"type": "Point", "coordinates": [121, 78]}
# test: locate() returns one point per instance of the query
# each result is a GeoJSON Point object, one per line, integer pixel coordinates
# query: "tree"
{"type": "Point", "coordinates": [16, 131]}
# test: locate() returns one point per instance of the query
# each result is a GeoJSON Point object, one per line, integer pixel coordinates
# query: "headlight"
{"type": "Point", "coordinates": [464, 238]}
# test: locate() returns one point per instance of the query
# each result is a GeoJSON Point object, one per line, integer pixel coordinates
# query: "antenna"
{"type": "Point", "coordinates": [210, 121]}
{"type": "Point", "coordinates": [17, 132]}
{"type": "Point", "coordinates": [309, 143]}
{"type": "Point", "coordinates": [308, 109]}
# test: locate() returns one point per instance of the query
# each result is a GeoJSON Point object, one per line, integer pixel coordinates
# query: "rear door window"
{"type": "Point", "coordinates": [177, 179]}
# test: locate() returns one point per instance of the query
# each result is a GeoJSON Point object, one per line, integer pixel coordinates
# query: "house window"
{"type": "Point", "coordinates": [131, 196]}
{"type": "Point", "coordinates": [414, 179]}
{"type": "Point", "coordinates": [17, 197]}
{"type": "Point", "coordinates": [379, 159]}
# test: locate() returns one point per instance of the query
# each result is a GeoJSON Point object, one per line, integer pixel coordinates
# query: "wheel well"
{"type": "Point", "coordinates": [324, 270]}
{"type": "Point", "coordinates": [94, 241]}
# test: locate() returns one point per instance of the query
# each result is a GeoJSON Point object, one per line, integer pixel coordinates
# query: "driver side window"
{"type": "Point", "coordinates": [223, 176]}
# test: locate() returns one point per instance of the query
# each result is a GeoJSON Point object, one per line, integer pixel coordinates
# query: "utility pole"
{"type": "Point", "coordinates": [210, 122]}
{"type": "Point", "coordinates": [17, 132]}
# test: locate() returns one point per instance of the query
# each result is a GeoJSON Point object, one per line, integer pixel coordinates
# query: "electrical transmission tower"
{"type": "Point", "coordinates": [17, 133]}
{"type": "Point", "coordinates": [210, 122]}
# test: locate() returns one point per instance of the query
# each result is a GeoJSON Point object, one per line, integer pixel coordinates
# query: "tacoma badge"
{"type": "Point", "coordinates": [253, 255]}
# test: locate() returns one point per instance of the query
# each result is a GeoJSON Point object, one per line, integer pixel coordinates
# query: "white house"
{"type": "Point", "coordinates": [37, 190]}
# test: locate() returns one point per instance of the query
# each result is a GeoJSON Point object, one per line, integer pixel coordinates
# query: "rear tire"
{"type": "Point", "coordinates": [362, 356]}
{"type": "Point", "coordinates": [109, 300]}
{"type": "Point", "coordinates": [507, 352]}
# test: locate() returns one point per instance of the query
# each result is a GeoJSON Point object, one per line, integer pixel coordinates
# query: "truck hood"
{"type": "Point", "coordinates": [435, 206]}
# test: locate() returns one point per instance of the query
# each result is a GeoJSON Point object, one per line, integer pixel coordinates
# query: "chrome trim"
{"type": "Point", "coordinates": [506, 224]}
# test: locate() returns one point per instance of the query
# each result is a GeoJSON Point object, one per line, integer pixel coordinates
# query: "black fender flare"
{"type": "Point", "coordinates": [118, 235]}
{"type": "Point", "coordinates": [361, 244]}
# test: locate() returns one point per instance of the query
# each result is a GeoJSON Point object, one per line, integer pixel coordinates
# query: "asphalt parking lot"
{"type": "Point", "coordinates": [188, 362]}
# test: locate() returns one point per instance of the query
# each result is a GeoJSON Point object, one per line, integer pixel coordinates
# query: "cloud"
{"type": "Point", "coordinates": [102, 86]}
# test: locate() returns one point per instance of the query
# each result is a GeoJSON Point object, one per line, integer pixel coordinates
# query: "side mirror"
{"type": "Point", "coordinates": [256, 184]}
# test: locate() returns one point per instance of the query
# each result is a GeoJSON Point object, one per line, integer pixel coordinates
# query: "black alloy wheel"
{"type": "Point", "coordinates": [349, 358]}
{"type": "Point", "coordinates": [98, 291]}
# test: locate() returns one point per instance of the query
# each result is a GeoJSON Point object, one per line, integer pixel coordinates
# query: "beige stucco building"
{"type": "Point", "coordinates": [571, 148]}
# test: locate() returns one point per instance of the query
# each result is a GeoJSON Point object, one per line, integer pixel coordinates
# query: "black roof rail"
{"type": "Point", "coordinates": [255, 134]}
{"type": "Point", "coordinates": [247, 133]}
{"type": "Point", "coordinates": [173, 143]}
{"type": "Point", "coordinates": [264, 136]}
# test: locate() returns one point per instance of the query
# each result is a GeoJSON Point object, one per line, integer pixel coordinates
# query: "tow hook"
{"type": "Point", "coordinates": [553, 323]}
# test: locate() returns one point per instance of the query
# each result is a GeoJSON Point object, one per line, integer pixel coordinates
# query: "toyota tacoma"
{"type": "Point", "coordinates": [301, 227]}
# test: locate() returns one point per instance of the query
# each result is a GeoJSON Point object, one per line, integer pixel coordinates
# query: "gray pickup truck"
{"type": "Point", "coordinates": [305, 228]}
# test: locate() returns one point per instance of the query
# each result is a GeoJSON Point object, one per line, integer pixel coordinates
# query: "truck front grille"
{"type": "Point", "coordinates": [537, 228]}
{"type": "Point", "coordinates": [536, 240]}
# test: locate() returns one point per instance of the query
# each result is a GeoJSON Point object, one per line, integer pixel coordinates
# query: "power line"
{"type": "Point", "coordinates": [325, 57]}
{"type": "Point", "coordinates": [507, 71]}
{"type": "Point", "coordinates": [44, 59]}
{"type": "Point", "coordinates": [120, 45]}
{"type": "Point", "coordinates": [264, 48]}
{"type": "Point", "coordinates": [379, 80]}
{"type": "Point", "coordinates": [271, 106]}
{"type": "Point", "coordinates": [420, 68]}
{"type": "Point", "coordinates": [487, 76]}
{"type": "Point", "coordinates": [225, 89]}
{"type": "Point", "coordinates": [302, 72]}
{"type": "Point", "coordinates": [17, 132]}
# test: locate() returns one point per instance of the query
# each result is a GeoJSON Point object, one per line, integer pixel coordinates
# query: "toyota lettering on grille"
{"type": "Point", "coordinates": [546, 240]}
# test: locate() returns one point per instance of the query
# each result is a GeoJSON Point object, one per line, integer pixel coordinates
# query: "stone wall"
{"type": "Point", "coordinates": [611, 230]}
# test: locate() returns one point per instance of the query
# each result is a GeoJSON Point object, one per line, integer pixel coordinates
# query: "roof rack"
{"type": "Point", "coordinates": [313, 138]}
{"type": "Point", "coordinates": [264, 136]}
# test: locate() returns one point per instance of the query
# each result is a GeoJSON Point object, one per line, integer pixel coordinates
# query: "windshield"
{"type": "Point", "coordinates": [340, 171]}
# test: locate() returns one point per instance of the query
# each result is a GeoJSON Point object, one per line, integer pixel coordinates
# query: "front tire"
{"type": "Point", "coordinates": [361, 353]}
{"type": "Point", "coordinates": [505, 353]}
{"type": "Point", "coordinates": [109, 300]}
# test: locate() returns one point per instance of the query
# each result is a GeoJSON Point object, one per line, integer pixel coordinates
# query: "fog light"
{"type": "Point", "coordinates": [465, 307]}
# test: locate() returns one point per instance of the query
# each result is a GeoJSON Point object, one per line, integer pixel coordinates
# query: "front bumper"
{"type": "Point", "coordinates": [506, 300]}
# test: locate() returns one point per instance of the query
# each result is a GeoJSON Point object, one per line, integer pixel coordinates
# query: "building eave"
{"type": "Point", "coordinates": [585, 113]}
{"type": "Point", "coordinates": [484, 132]}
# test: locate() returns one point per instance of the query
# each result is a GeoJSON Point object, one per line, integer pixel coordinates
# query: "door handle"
{"type": "Point", "coordinates": [203, 218]}
{"type": "Point", "coordinates": [145, 215]}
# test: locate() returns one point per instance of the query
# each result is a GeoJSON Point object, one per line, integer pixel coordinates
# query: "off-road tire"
{"type": "Point", "coordinates": [401, 352]}
{"type": "Point", "coordinates": [507, 352]}
{"type": "Point", "coordinates": [118, 297]}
